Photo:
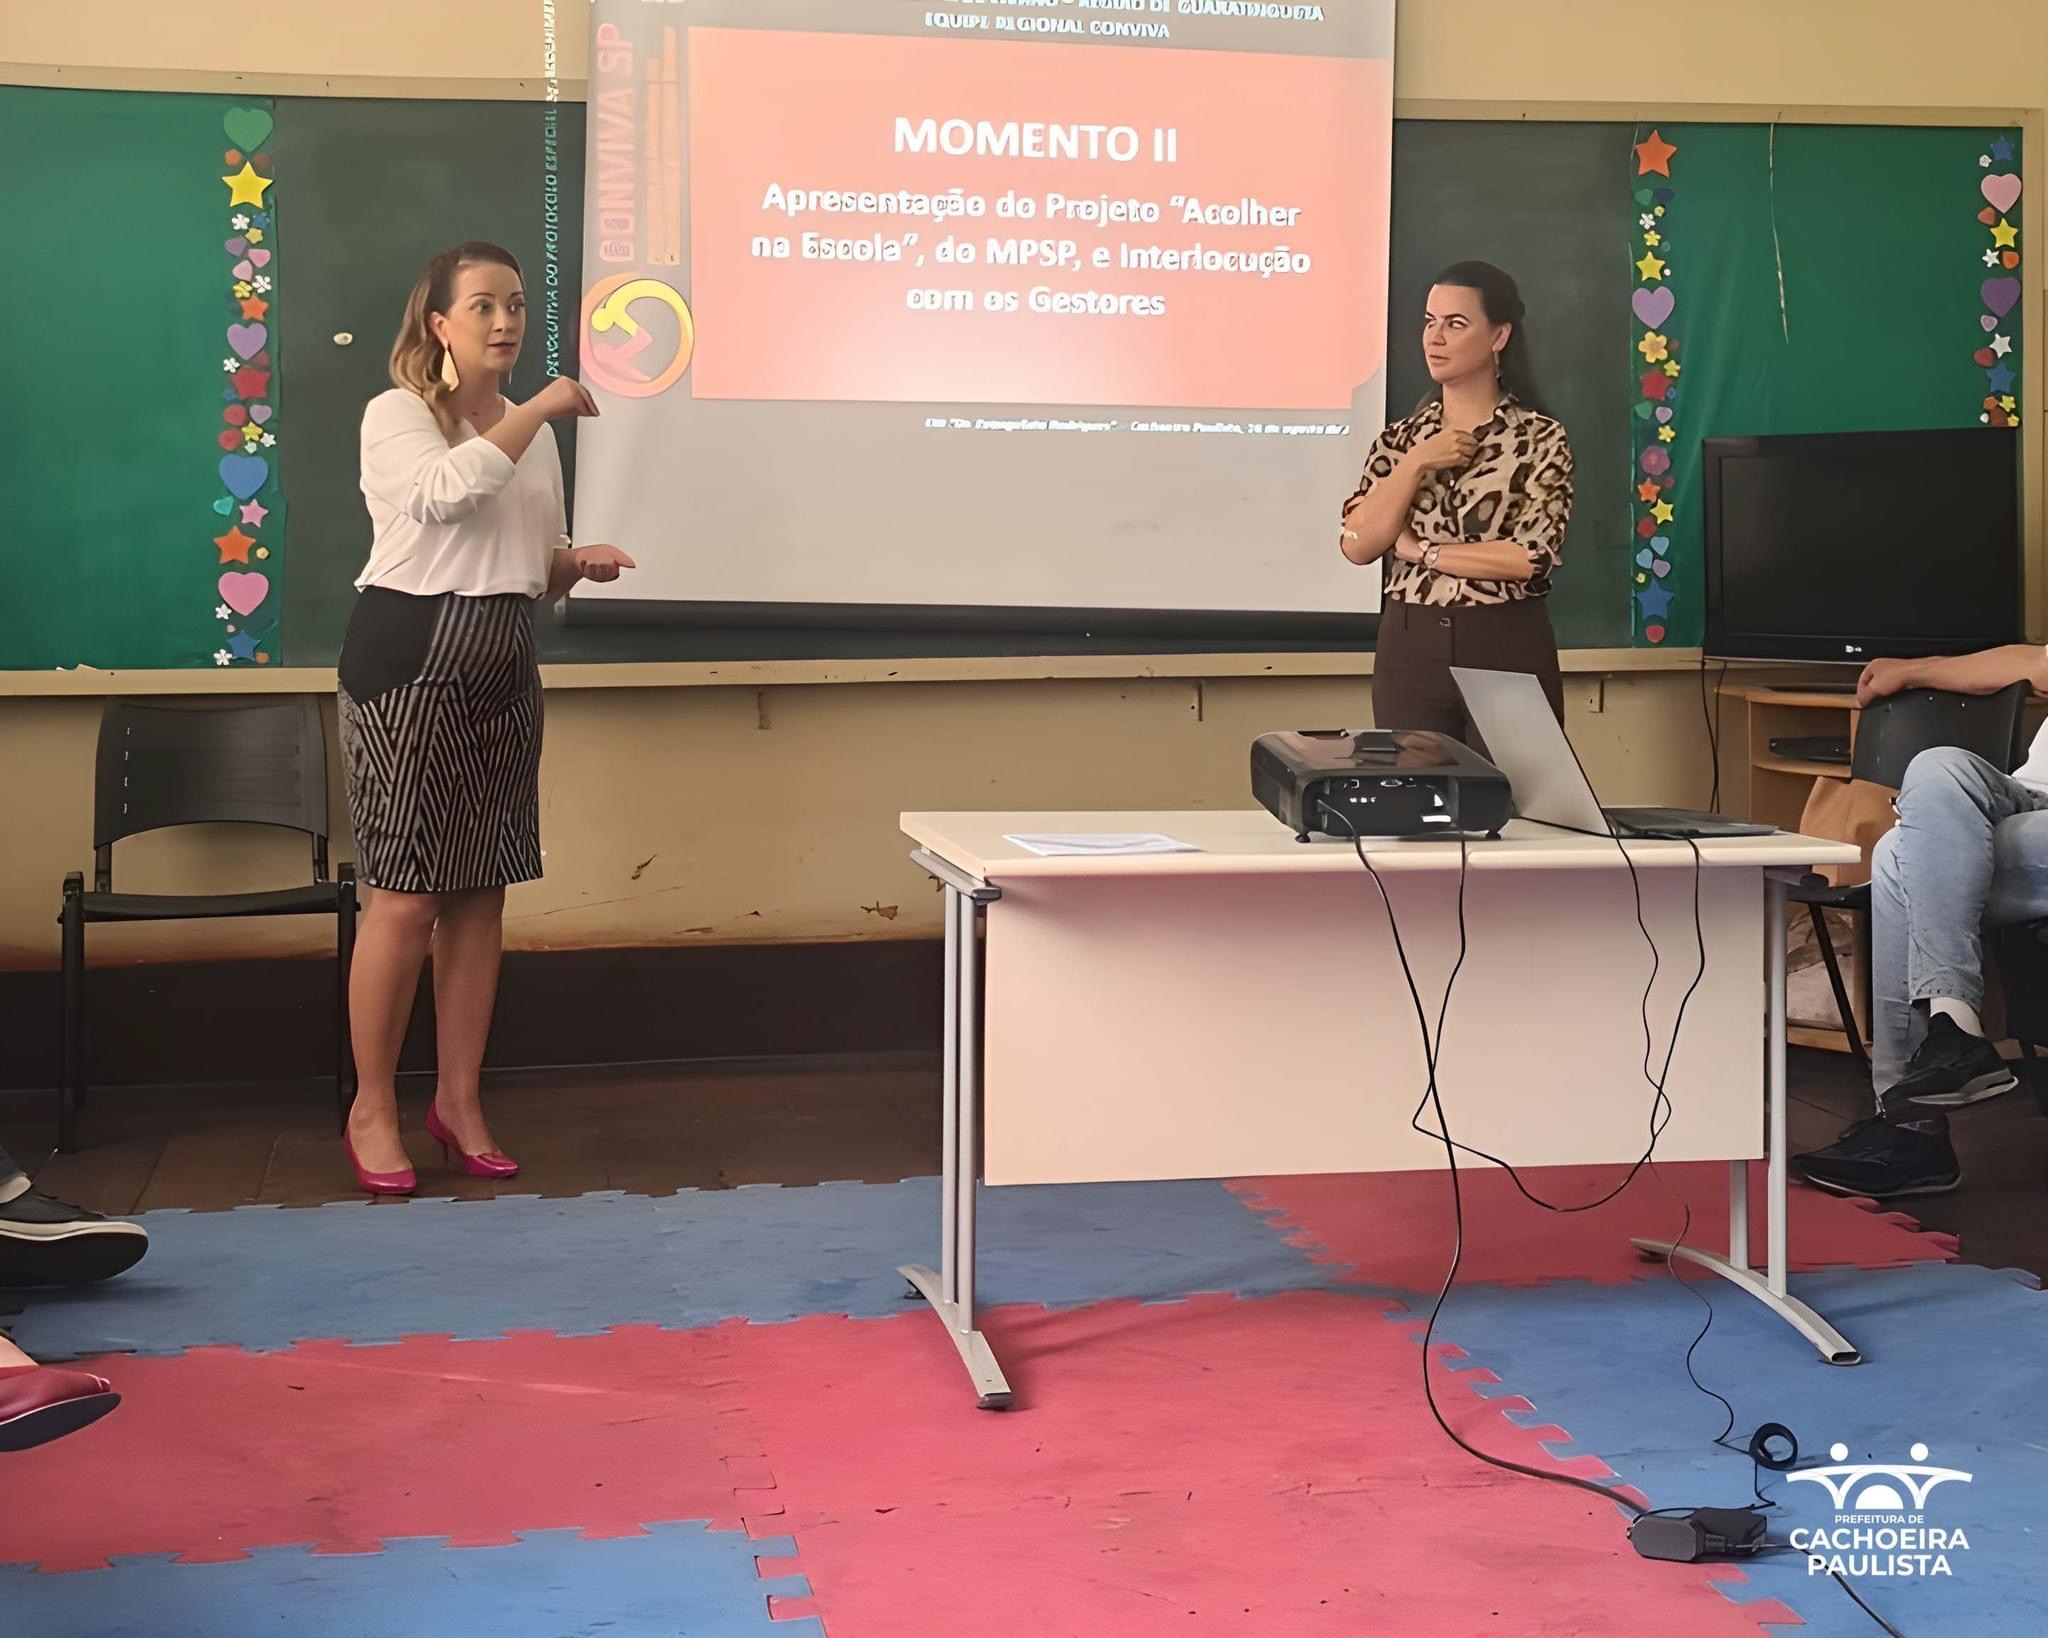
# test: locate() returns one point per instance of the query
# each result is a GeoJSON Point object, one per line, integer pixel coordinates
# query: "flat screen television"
{"type": "Point", "coordinates": [1847, 546]}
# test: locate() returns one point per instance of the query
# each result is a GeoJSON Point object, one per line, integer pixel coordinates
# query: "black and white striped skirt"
{"type": "Point", "coordinates": [440, 740]}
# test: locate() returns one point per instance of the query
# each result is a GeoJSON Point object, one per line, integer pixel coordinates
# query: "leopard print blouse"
{"type": "Point", "coordinates": [1518, 487]}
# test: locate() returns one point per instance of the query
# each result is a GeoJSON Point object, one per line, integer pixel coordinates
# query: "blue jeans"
{"type": "Point", "coordinates": [1970, 851]}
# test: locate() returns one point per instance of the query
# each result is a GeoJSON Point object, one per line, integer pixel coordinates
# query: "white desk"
{"type": "Point", "coordinates": [1240, 1011]}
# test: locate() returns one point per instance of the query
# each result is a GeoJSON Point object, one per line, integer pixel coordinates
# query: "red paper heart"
{"type": "Point", "coordinates": [235, 415]}
{"type": "Point", "coordinates": [230, 440]}
{"type": "Point", "coordinates": [1985, 357]}
{"type": "Point", "coordinates": [2011, 258]}
{"type": "Point", "coordinates": [1988, 216]}
{"type": "Point", "coordinates": [1654, 633]}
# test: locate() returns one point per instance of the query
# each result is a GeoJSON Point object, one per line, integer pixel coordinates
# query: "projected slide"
{"type": "Point", "coordinates": [1047, 305]}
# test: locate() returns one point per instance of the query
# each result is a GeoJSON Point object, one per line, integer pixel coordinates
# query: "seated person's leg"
{"type": "Point", "coordinates": [1961, 855]}
{"type": "Point", "coordinates": [44, 1241]}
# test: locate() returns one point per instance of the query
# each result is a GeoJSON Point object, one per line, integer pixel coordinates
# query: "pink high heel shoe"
{"type": "Point", "coordinates": [489, 1164]}
{"type": "Point", "coordinates": [378, 1182]}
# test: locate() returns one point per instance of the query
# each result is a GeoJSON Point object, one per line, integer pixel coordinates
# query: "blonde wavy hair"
{"type": "Point", "coordinates": [417, 354]}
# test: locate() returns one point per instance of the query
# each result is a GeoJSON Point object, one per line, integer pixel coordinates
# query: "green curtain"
{"type": "Point", "coordinates": [1876, 234]}
{"type": "Point", "coordinates": [111, 413]}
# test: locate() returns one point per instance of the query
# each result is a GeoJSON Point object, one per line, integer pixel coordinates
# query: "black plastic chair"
{"type": "Point", "coordinates": [1889, 735]}
{"type": "Point", "coordinates": [167, 765]}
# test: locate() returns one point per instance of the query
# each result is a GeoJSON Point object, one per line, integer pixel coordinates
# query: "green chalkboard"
{"type": "Point", "coordinates": [1548, 203]}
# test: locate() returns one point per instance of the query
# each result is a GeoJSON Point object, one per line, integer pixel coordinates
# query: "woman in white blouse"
{"type": "Point", "coordinates": [440, 696]}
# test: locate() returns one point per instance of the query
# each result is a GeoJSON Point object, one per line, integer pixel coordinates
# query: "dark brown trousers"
{"type": "Point", "coordinates": [1411, 680]}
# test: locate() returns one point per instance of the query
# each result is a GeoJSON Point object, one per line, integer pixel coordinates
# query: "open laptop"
{"type": "Point", "coordinates": [1525, 741]}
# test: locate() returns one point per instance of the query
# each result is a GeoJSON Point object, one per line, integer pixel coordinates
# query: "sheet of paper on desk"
{"type": "Point", "coordinates": [1051, 847]}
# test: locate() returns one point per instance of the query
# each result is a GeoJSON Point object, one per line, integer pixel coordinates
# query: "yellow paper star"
{"type": "Point", "coordinates": [2005, 234]}
{"type": "Point", "coordinates": [254, 236]}
{"type": "Point", "coordinates": [245, 187]}
{"type": "Point", "coordinates": [2008, 403]}
{"type": "Point", "coordinates": [1666, 434]}
{"type": "Point", "coordinates": [1650, 267]}
{"type": "Point", "coordinates": [1662, 510]}
{"type": "Point", "coordinates": [1653, 237]}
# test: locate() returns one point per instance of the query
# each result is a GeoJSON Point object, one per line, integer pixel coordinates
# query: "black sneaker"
{"type": "Point", "coordinates": [44, 1241]}
{"type": "Point", "coordinates": [1881, 1158]}
{"type": "Point", "coordinates": [1951, 1069]}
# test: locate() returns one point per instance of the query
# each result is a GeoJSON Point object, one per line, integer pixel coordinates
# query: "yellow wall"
{"type": "Point", "coordinates": [717, 814]}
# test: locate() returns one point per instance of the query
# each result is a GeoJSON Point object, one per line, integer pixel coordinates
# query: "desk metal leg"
{"type": "Point", "coordinates": [1768, 1288]}
{"type": "Point", "coordinates": [950, 1291]}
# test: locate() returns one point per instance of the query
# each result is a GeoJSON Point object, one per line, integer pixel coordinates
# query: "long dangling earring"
{"type": "Point", "coordinates": [449, 377]}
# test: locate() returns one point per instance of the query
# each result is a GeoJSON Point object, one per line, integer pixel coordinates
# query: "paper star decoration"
{"type": "Point", "coordinates": [255, 236]}
{"type": "Point", "coordinates": [1656, 601]}
{"type": "Point", "coordinates": [2000, 377]}
{"type": "Point", "coordinates": [254, 307]}
{"type": "Point", "coordinates": [1647, 491]}
{"type": "Point", "coordinates": [254, 513]}
{"type": "Point", "coordinates": [269, 440]}
{"type": "Point", "coordinates": [1653, 153]}
{"type": "Point", "coordinates": [222, 612]}
{"type": "Point", "coordinates": [242, 646]}
{"type": "Point", "coordinates": [1671, 368]}
{"type": "Point", "coordinates": [2001, 345]}
{"type": "Point", "coordinates": [245, 187]}
{"type": "Point", "coordinates": [222, 657]}
{"type": "Point", "coordinates": [251, 382]}
{"type": "Point", "coordinates": [2001, 150]}
{"type": "Point", "coordinates": [1650, 267]}
{"type": "Point", "coordinates": [1653, 237]}
{"type": "Point", "coordinates": [261, 218]}
{"type": "Point", "coordinates": [1990, 258]}
{"type": "Point", "coordinates": [2005, 235]}
{"type": "Point", "coordinates": [234, 546]}
{"type": "Point", "coordinates": [1666, 434]}
{"type": "Point", "coordinates": [2008, 403]}
{"type": "Point", "coordinates": [1662, 511]}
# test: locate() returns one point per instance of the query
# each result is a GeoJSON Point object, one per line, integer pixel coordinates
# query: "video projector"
{"type": "Point", "coordinates": [1385, 782]}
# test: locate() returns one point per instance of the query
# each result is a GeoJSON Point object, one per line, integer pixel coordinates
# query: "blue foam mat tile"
{"type": "Point", "coordinates": [784, 1253]}
{"type": "Point", "coordinates": [677, 1579]}
{"type": "Point", "coordinates": [1955, 1358]}
{"type": "Point", "coordinates": [263, 1278]}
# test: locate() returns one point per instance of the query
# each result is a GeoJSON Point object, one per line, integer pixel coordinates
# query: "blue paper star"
{"type": "Point", "coordinates": [262, 217]}
{"type": "Point", "coordinates": [2001, 150]}
{"type": "Point", "coordinates": [242, 646]}
{"type": "Point", "coordinates": [1656, 602]}
{"type": "Point", "coordinates": [2000, 378]}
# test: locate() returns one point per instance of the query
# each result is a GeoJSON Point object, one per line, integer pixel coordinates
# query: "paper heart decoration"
{"type": "Point", "coordinates": [1660, 544]}
{"type": "Point", "coordinates": [243, 271]}
{"type": "Point", "coordinates": [234, 415]}
{"type": "Point", "coordinates": [2009, 258]}
{"type": "Point", "coordinates": [1660, 568]}
{"type": "Point", "coordinates": [1644, 411]}
{"type": "Point", "coordinates": [1663, 412]}
{"type": "Point", "coordinates": [1653, 304]}
{"type": "Point", "coordinates": [1988, 322]}
{"type": "Point", "coordinates": [1645, 557]}
{"type": "Point", "coordinates": [1654, 633]}
{"type": "Point", "coordinates": [1645, 197]}
{"type": "Point", "coordinates": [230, 440]}
{"type": "Point", "coordinates": [259, 258]}
{"type": "Point", "coordinates": [247, 127]}
{"type": "Point", "coordinates": [259, 413]}
{"type": "Point", "coordinates": [224, 505]}
{"type": "Point", "coordinates": [2002, 189]}
{"type": "Point", "coordinates": [1985, 357]}
{"type": "Point", "coordinates": [236, 247]}
{"type": "Point", "coordinates": [2000, 294]}
{"type": "Point", "coordinates": [247, 339]}
{"type": "Point", "coordinates": [1988, 216]}
{"type": "Point", "coordinates": [244, 474]}
{"type": "Point", "coordinates": [244, 593]}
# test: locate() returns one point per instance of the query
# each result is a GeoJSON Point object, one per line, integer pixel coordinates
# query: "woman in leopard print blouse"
{"type": "Point", "coordinates": [1464, 506]}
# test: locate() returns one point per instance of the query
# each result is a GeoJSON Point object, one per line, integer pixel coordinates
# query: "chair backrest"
{"type": "Point", "coordinates": [1892, 732]}
{"type": "Point", "coordinates": [254, 764]}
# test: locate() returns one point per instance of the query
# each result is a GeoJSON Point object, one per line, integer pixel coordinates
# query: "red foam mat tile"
{"type": "Point", "coordinates": [1269, 1465]}
{"type": "Point", "coordinates": [219, 1450]}
{"type": "Point", "coordinates": [1394, 1229]}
